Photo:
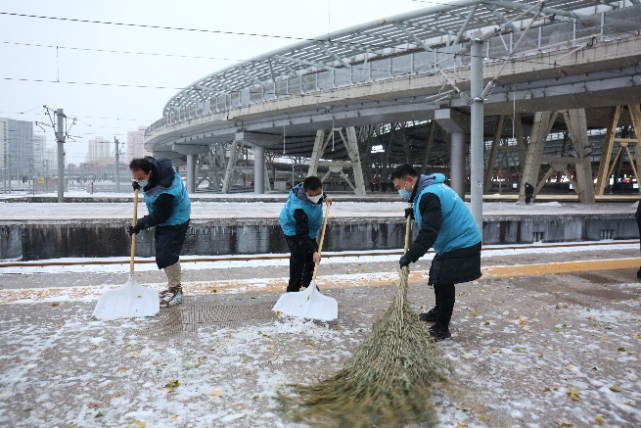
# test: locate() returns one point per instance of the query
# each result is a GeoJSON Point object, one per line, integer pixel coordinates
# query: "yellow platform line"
{"type": "Point", "coordinates": [326, 282]}
{"type": "Point", "coordinates": [561, 267]}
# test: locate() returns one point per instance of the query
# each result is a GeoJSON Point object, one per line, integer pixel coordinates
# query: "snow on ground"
{"type": "Point", "coordinates": [331, 258]}
{"type": "Point", "coordinates": [528, 352]}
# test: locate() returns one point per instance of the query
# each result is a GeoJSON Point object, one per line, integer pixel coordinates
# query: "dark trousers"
{"type": "Point", "coordinates": [169, 243]}
{"type": "Point", "coordinates": [301, 264]}
{"type": "Point", "coordinates": [445, 299]}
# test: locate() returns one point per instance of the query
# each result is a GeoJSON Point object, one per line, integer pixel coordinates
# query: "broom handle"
{"type": "Point", "coordinates": [133, 236]}
{"type": "Point", "coordinates": [408, 228]}
{"type": "Point", "coordinates": [320, 245]}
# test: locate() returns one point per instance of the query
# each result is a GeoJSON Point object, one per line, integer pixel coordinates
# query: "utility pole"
{"type": "Point", "coordinates": [117, 164]}
{"type": "Point", "coordinates": [60, 138]}
{"type": "Point", "coordinates": [476, 143]}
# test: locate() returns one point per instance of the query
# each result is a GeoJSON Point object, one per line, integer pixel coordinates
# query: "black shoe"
{"type": "Point", "coordinates": [440, 333]}
{"type": "Point", "coordinates": [639, 274]}
{"type": "Point", "coordinates": [429, 316]}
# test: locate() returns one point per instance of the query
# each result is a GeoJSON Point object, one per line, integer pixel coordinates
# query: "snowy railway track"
{"type": "Point", "coordinates": [329, 255]}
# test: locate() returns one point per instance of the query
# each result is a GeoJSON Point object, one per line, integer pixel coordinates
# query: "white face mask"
{"type": "Point", "coordinates": [315, 199]}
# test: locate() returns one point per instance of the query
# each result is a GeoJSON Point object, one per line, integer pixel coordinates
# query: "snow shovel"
{"type": "Point", "coordinates": [132, 300]}
{"type": "Point", "coordinates": [309, 303]}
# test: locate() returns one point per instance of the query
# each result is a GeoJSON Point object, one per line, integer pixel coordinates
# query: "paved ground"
{"type": "Point", "coordinates": [529, 350]}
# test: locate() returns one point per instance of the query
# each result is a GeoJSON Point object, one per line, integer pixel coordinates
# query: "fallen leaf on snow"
{"type": "Point", "coordinates": [574, 394]}
{"type": "Point", "coordinates": [136, 423]}
{"type": "Point", "coordinates": [565, 424]}
{"type": "Point", "coordinates": [217, 393]}
{"type": "Point", "coordinates": [600, 419]}
{"type": "Point", "coordinates": [494, 351]}
{"type": "Point", "coordinates": [55, 304]}
{"type": "Point", "coordinates": [93, 405]}
{"type": "Point", "coordinates": [615, 388]}
{"type": "Point", "coordinates": [238, 404]}
{"type": "Point", "coordinates": [570, 367]}
{"type": "Point", "coordinates": [99, 415]}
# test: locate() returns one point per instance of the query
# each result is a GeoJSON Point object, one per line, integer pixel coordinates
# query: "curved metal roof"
{"type": "Point", "coordinates": [435, 27]}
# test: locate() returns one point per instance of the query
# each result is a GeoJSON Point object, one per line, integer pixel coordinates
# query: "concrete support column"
{"type": "Point", "coordinates": [259, 170]}
{"type": "Point", "coordinates": [191, 174]}
{"type": "Point", "coordinates": [543, 121]}
{"type": "Point", "coordinates": [268, 185]}
{"type": "Point", "coordinates": [191, 151]}
{"type": "Point", "coordinates": [231, 165]}
{"type": "Point", "coordinates": [578, 128]}
{"type": "Point", "coordinates": [352, 151]}
{"type": "Point", "coordinates": [476, 131]}
{"type": "Point", "coordinates": [317, 152]}
{"type": "Point", "coordinates": [455, 124]}
{"type": "Point", "coordinates": [457, 161]}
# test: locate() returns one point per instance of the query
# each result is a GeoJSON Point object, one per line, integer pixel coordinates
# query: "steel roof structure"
{"type": "Point", "coordinates": [434, 28]}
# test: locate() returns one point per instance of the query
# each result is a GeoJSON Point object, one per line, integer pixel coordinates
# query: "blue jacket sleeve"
{"type": "Point", "coordinates": [430, 207]}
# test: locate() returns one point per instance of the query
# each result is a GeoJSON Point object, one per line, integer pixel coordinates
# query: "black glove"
{"type": "Point", "coordinates": [409, 212]}
{"type": "Point", "coordinates": [404, 261]}
{"type": "Point", "coordinates": [133, 229]}
{"type": "Point", "coordinates": [135, 185]}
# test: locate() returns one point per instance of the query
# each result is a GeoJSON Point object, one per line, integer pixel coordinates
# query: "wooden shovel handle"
{"type": "Point", "coordinates": [133, 236]}
{"type": "Point", "coordinates": [322, 238]}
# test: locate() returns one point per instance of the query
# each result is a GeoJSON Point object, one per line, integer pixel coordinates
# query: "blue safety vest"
{"type": "Point", "coordinates": [182, 204]}
{"type": "Point", "coordinates": [314, 213]}
{"type": "Point", "coordinates": [458, 230]}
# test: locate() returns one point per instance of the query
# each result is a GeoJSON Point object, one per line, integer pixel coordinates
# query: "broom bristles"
{"type": "Point", "coordinates": [387, 382]}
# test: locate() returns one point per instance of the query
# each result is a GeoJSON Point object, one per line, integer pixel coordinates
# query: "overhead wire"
{"type": "Point", "coordinates": [118, 51]}
{"type": "Point", "coordinates": [172, 28]}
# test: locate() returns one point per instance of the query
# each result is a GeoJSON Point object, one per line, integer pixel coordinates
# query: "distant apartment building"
{"type": "Point", "coordinates": [39, 154]}
{"type": "Point", "coordinates": [136, 144]}
{"type": "Point", "coordinates": [51, 161]}
{"type": "Point", "coordinates": [17, 147]}
{"type": "Point", "coordinates": [100, 150]}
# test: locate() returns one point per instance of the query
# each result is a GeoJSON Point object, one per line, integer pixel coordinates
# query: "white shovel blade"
{"type": "Point", "coordinates": [132, 300]}
{"type": "Point", "coordinates": [309, 303]}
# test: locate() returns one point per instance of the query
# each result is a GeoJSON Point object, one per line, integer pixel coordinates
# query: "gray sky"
{"type": "Point", "coordinates": [108, 110]}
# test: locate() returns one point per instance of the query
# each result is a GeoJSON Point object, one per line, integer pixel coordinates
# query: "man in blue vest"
{"type": "Point", "coordinates": [169, 211]}
{"type": "Point", "coordinates": [301, 219]}
{"type": "Point", "coordinates": [447, 225]}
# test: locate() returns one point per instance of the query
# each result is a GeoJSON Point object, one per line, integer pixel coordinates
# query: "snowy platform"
{"type": "Point", "coordinates": [46, 230]}
{"type": "Point", "coordinates": [124, 197]}
{"type": "Point", "coordinates": [529, 351]}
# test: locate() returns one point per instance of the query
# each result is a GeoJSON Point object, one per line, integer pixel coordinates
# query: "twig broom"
{"type": "Point", "coordinates": [386, 383]}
